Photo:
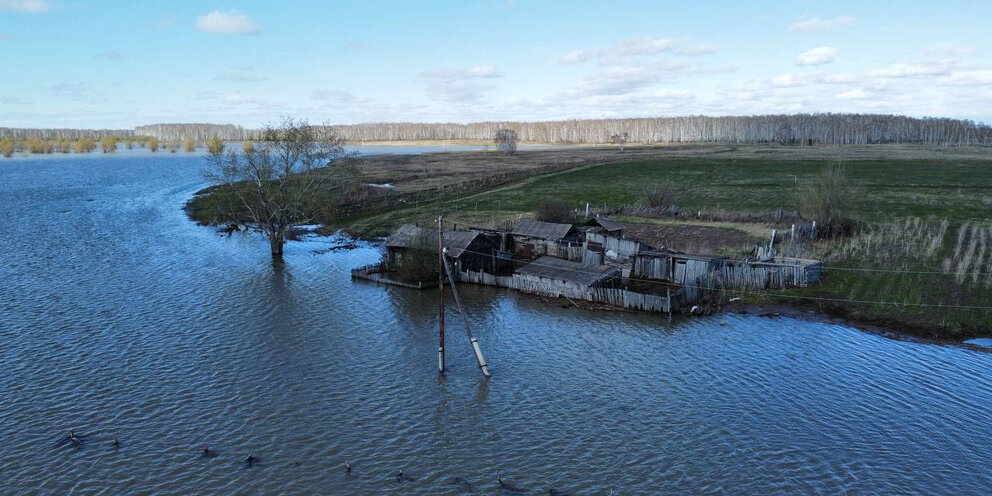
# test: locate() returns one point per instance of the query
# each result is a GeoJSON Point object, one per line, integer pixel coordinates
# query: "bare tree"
{"type": "Point", "coordinates": [620, 139]}
{"type": "Point", "coordinates": [827, 199]}
{"type": "Point", "coordinates": [506, 141]}
{"type": "Point", "coordinates": [660, 194]}
{"type": "Point", "coordinates": [554, 210]}
{"type": "Point", "coordinates": [276, 184]}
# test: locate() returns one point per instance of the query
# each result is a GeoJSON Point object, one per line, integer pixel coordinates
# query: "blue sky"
{"type": "Point", "coordinates": [88, 63]}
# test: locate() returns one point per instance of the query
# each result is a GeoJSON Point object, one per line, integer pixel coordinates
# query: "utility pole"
{"type": "Point", "coordinates": [440, 293]}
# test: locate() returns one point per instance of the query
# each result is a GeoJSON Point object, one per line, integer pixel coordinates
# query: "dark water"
{"type": "Point", "coordinates": [118, 317]}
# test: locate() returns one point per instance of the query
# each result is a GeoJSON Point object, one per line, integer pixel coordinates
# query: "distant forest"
{"type": "Point", "coordinates": [798, 129]}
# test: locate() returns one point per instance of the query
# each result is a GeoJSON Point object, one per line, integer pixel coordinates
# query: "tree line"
{"type": "Point", "coordinates": [795, 129]}
{"type": "Point", "coordinates": [798, 129]}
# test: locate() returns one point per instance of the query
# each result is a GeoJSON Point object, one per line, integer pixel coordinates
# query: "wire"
{"type": "Point", "coordinates": [896, 271]}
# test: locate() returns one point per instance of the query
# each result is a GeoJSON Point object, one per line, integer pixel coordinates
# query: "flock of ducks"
{"type": "Point", "coordinates": [76, 440]}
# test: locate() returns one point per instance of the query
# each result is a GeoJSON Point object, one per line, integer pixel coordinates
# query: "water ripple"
{"type": "Point", "coordinates": [120, 318]}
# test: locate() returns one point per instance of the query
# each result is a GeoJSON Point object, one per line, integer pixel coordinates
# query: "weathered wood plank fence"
{"type": "Point", "coordinates": [608, 296]}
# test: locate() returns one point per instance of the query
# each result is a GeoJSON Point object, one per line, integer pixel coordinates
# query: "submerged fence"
{"type": "Point", "coordinates": [547, 287]}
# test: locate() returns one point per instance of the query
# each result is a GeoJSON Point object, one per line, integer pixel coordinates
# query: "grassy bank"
{"type": "Point", "coordinates": [920, 261]}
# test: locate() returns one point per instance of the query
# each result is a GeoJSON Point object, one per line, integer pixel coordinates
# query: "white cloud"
{"type": "Point", "coordinates": [815, 23]}
{"type": "Point", "coordinates": [702, 49]}
{"type": "Point", "coordinates": [837, 78]}
{"type": "Point", "coordinates": [674, 94]}
{"type": "Point", "coordinates": [631, 47]}
{"type": "Point", "coordinates": [789, 81]}
{"type": "Point", "coordinates": [25, 6]}
{"type": "Point", "coordinates": [967, 78]}
{"type": "Point", "coordinates": [950, 49]}
{"type": "Point", "coordinates": [854, 94]}
{"type": "Point", "coordinates": [817, 56]}
{"type": "Point", "coordinates": [903, 70]}
{"type": "Point", "coordinates": [459, 85]}
{"type": "Point", "coordinates": [13, 100]}
{"type": "Point", "coordinates": [335, 96]}
{"type": "Point", "coordinates": [624, 79]}
{"type": "Point", "coordinates": [230, 22]}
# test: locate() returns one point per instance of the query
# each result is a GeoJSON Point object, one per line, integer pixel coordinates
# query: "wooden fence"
{"type": "Point", "coordinates": [377, 273]}
{"type": "Point", "coordinates": [623, 248]}
{"type": "Point", "coordinates": [541, 286]}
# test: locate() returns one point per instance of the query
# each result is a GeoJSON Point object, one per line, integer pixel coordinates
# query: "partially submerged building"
{"type": "Point", "coordinates": [681, 268]}
{"type": "Point", "coordinates": [532, 238]}
{"type": "Point", "coordinates": [468, 250]}
{"type": "Point", "coordinates": [561, 275]}
{"type": "Point", "coordinates": [592, 265]}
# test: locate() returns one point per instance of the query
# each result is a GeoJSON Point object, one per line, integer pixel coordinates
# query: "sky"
{"type": "Point", "coordinates": [118, 64]}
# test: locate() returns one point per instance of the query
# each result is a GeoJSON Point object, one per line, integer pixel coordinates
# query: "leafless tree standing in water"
{"type": "Point", "coordinates": [274, 186]}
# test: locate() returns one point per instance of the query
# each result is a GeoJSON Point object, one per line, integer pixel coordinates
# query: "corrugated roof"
{"type": "Point", "coordinates": [455, 241]}
{"type": "Point", "coordinates": [609, 224]}
{"type": "Point", "coordinates": [542, 230]}
{"type": "Point", "coordinates": [563, 270]}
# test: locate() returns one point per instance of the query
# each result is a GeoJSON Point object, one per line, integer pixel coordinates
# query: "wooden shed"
{"type": "Point", "coordinates": [605, 226]}
{"type": "Point", "coordinates": [470, 250]}
{"type": "Point", "coordinates": [550, 275]}
{"type": "Point", "coordinates": [535, 238]}
{"type": "Point", "coordinates": [670, 266]}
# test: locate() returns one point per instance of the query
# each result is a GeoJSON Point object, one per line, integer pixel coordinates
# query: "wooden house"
{"type": "Point", "coordinates": [468, 250]}
{"type": "Point", "coordinates": [534, 238]}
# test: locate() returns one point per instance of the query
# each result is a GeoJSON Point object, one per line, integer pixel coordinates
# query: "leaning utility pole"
{"type": "Point", "coordinates": [468, 329]}
{"type": "Point", "coordinates": [440, 293]}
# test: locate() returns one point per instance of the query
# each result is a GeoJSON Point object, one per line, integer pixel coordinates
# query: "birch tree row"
{"type": "Point", "coordinates": [797, 129]}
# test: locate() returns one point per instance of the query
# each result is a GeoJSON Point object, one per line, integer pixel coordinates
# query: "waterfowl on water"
{"type": "Point", "coordinates": [251, 460]}
{"type": "Point", "coordinates": [506, 486]}
{"type": "Point", "coordinates": [347, 468]}
{"type": "Point", "coordinates": [208, 453]}
{"type": "Point", "coordinates": [401, 477]}
{"type": "Point", "coordinates": [117, 442]}
{"type": "Point", "coordinates": [73, 438]}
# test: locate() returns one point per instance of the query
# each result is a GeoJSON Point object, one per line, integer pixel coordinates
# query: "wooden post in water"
{"type": "Point", "coordinates": [440, 294]}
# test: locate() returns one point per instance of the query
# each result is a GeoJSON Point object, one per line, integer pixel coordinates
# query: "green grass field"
{"type": "Point", "coordinates": [959, 190]}
{"type": "Point", "coordinates": [889, 191]}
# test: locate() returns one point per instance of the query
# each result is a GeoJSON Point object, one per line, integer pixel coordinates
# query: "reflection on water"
{"type": "Point", "coordinates": [119, 317]}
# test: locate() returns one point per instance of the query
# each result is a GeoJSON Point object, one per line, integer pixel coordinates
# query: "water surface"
{"type": "Point", "coordinates": [119, 317]}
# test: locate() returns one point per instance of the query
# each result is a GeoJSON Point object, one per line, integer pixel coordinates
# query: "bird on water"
{"type": "Point", "coordinates": [117, 442]}
{"type": "Point", "coordinates": [506, 486]}
{"type": "Point", "coordinates": [347, 467]}
{"type": "Point", "coordinates": [251, 459]}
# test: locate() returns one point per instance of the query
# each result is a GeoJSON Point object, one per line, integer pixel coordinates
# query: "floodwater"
{"type": "Point", "coordinates": [121, 318]}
